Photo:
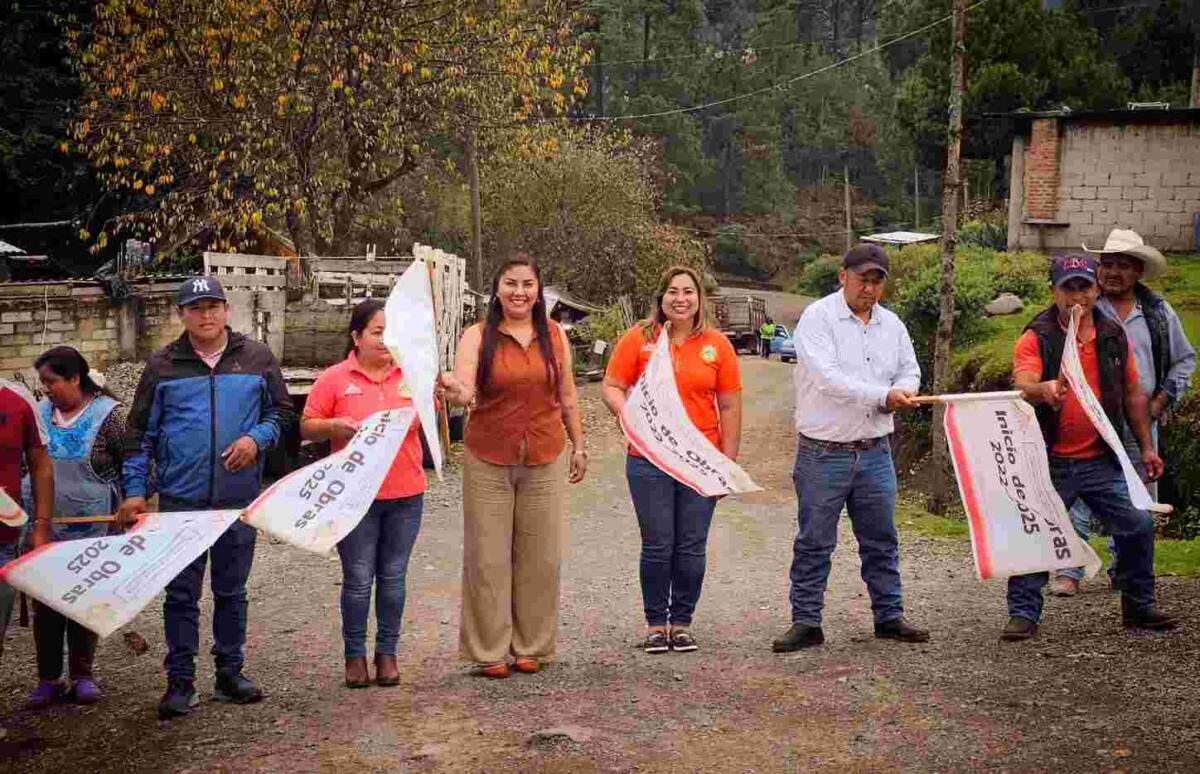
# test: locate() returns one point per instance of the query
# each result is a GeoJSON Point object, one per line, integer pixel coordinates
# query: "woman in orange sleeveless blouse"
{"type": "Point", "coordinates": [515, 367]}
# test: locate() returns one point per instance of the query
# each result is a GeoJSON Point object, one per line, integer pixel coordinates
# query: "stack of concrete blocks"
{"type": "Point", "coordinates": [35, 316]}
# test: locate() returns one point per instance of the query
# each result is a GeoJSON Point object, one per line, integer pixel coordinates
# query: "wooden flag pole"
{"type": "Point", "coordinates": [97, 519]}
{"type": "Point", "coordinates": [929, 400]}
{"type": "Point", "coordinates": [442, 409]}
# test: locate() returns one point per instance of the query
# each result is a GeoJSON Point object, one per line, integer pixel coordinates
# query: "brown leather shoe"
{"type": "Point", "coordinates": [356, 672]}
{"type": "Point", "coordinates": [527, 664]}
{"type": "Point", "coordinates": [387, 673]}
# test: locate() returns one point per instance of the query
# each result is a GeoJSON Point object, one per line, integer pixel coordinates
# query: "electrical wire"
{"type": "Point", "coordinates": [773, 87]}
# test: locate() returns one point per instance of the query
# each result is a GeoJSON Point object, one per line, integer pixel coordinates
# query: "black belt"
{"type": "Point", "coordinates": [866, 444]}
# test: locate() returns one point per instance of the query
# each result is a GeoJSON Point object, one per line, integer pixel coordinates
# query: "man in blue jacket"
{"type": "Point", "coordinates": [207, 409]}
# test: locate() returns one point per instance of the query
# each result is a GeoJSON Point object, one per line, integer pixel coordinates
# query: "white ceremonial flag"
{"type": "Point", "coordinates": [102, 583]}
{"type": "Point", "coordinates": [657, 425]}
{"type": "Point", "coordinates": [320, 504]}
{"type": "Point", "coordinates": [411, 335]}
{"type": "Point", "coordinates": [11, 512]}
{"type": "Point", "coordinates": [1072, 370]}
{"type": "Point", "coordinates": [1018, 523]}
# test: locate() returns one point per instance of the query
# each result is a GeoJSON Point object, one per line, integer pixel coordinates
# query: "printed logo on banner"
{"type": "Point", "coordinates": [102, 583]}
{"type": "Point", "coordinates": [657, 425]}
{"type": "Point", "coordinates": [1017, 521]}
{"type": "Point", "coordinates": [318, 505]}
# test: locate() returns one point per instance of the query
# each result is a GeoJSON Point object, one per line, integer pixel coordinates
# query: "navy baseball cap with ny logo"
{"type": "Point", "coordinates": [192, 290]}
{"type": "Point", "coordinates": [1067, 267]}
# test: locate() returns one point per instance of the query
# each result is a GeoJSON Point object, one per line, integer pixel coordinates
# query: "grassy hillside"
{"type": "Point", "coordinates": [987, 364]}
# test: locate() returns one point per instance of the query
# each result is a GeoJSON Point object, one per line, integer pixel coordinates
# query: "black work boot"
{"type": "Point", "coordinates": [899, 629]}
{"type": "Point", "coordinates": [1149, 617]}
{"type": "Point", "coordinates": [1019, 628]}
{"type": "Point", "coordinates": [799, 637]}
{"type": "Point", "coordinates": [235, 688]}
{"type": "Point", "coordinates": [180, 698]}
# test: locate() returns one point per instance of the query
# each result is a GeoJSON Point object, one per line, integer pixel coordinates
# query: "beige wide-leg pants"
{"type": "Point", "coordinates": [512, 549]}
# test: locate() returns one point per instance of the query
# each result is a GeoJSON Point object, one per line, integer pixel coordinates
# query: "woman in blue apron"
{"type": "Point", "coordinates": [86, 433]}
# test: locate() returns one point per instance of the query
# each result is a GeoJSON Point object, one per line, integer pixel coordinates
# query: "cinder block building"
{"type": "Point", "coordinates": [1074, 176]}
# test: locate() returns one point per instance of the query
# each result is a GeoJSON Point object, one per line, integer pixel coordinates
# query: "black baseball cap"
{"type": "Point", "coordinates": [197, 288]}
{"type": "Point", "coordinates": [865, 257]}
{"type": "Point", "coordinates": [1067, 267]}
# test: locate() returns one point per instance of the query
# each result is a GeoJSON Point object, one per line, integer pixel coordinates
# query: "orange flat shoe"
{"type": "Point", "coordinates": [527, 664]}
{"type": "Point", "coordinates": [494, 671]}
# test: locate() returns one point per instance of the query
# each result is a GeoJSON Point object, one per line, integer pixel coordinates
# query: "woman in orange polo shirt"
{"type": "Point", "coordinates": [674, 519]}
{"type": "Point", "coordinates": [516, 369]}
{"type": "Point", "coordinates": [376, 552]}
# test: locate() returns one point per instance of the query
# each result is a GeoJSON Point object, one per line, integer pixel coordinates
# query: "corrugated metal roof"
{"type": "Point", "coordinates": [7, 249]}
{"type": "Point", "coordinates": [900, 238]}
{"type": "Point", "coordinates": [1138, 115]}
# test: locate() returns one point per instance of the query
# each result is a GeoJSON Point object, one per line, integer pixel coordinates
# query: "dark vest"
{"type": "Point", "coordinates": [1112, 349]}
{"type": "Point", "coordinates": [1154, 310]}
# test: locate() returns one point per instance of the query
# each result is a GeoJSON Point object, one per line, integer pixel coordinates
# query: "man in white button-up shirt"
{"type": "Point", "coordinates": [855, 365]}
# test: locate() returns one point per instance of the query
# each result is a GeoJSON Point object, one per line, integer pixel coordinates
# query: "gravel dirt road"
{"type": "Point", "coordinates": [1085, 696]}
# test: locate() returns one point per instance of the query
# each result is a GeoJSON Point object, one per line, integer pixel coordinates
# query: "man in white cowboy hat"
{"type": "Point", "coordinates": [1165, 359]}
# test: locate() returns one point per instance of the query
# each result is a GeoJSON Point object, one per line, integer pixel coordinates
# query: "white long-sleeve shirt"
{"type": "Point", "coordinates": [845, 368]}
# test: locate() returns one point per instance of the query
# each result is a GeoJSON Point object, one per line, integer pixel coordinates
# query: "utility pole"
{"type": "Point", "coordinates": [916, 197]}
{"type": "Point", "coordinates": [476, 218]}
{"type": "Point", "coordinates": [951, 196]}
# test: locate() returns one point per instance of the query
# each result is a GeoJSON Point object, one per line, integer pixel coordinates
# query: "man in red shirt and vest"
{"type": "Point", "coordinates": [1081, 463]}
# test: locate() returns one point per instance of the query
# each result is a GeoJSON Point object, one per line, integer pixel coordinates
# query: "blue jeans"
{"type": "Point", "coordinates": [232, 556]}
{"type": "Point", "coordinates": [376, 553]}
{"type": "Point", "coordinates": [1100, 483]}
{"type": "Point", "coordinates": [864, 482]}
{"type": "Point", "coordinates": [1081, 514]}
{"type": "Point", "coordinates": [674, 521]}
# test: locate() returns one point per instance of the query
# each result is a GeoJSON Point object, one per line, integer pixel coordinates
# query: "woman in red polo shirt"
{"type": "Point", "coordinates": [673, 518]}
{"type": "Point", "coordinates": [376, 552]}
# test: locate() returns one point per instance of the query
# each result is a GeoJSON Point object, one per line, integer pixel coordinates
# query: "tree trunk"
{"type": "Point", "coordinates": [476, 216]}
{"type": "Point", "coordinates": [1195, 100]}
{"type": "Point", "coordinates": [646, 44]}
{"type": "Point", "coordinates": [943, 478]}
{"type": "Point", "coordinates": [599, 73]}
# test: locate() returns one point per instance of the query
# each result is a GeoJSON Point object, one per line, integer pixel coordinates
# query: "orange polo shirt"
{"type": "Point", "coordinates": [1077, 437]}
{"type": "Point", "coordinates": [705, 365]}
{"type": "Point", "coordinates": [344, 390]}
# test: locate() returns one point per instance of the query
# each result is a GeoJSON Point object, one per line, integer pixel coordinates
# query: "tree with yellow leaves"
{"type": "Point", "coordinates": [232, 113]}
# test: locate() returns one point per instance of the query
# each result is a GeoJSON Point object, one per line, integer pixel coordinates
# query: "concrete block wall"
{"type": "Point", "coordinates": [36, 316]}
{"type": "Point", "coordinates": [1144, 177]}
